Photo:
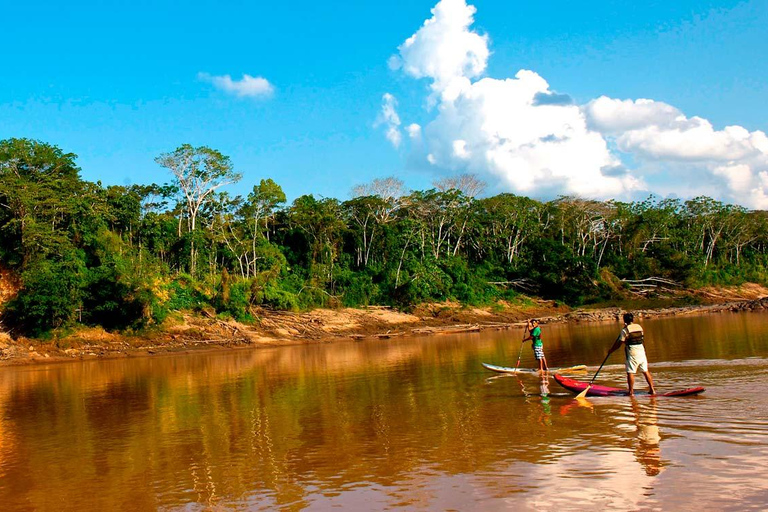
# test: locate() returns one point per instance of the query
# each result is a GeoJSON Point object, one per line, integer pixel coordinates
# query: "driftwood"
{"type": "Point", "coordinates": [651, 284]}
{"type": "Point", "coordinates": [523, 283]}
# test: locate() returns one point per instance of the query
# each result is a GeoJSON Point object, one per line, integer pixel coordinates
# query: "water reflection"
{"type": "Point", "coordinates": [648, 443]}
{"type": "Point", "coordinates": [414, 423]}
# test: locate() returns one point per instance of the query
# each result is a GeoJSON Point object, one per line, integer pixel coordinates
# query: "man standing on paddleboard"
{"type": "Point", "coordinates": [538, 345]}
{"type": "Point", "coordinates": [632, 336]}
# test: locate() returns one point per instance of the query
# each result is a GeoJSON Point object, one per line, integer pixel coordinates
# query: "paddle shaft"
{"type": "Point", "coordinates": [601, 367]}
{"type": "Point", "coordinates": [584, 393]}
{"type": "Point", "coordinates": [520, 354]}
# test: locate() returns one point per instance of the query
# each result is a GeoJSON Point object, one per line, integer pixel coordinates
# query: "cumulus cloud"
{"type": "Point", "coordinates": [248, 86]}
{"type": "Point", "coordinates": [538, 141]}
{"type": "Point", "coordinates": [496, 127]}
{"type": "Point", "coordinates": [445, 50]}
{"type": "Point", "coordinates": [515, 129]}
{"type": "Point", "coordinates": [733, 159]}
{"type": "Point", "coordinates": [657, 130]}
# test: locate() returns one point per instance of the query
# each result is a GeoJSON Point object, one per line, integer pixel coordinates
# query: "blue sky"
{"type": "Point", "coordinates": [117, 83]}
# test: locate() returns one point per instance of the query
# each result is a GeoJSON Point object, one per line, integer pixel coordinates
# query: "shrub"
{"type": "Point", "coordinates": [50, 296]}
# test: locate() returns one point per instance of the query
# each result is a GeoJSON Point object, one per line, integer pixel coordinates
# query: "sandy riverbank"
{"type": "Point", "coordinates": [187, 332]}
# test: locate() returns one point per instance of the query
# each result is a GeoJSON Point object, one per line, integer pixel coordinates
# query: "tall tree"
{"type": "Point", "coordinates": [199, 172]}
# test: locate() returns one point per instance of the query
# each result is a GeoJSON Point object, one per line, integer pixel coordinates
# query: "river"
{"type": "Point", "coordinates": [382, 424]}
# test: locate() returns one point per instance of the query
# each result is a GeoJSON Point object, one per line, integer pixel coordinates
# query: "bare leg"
{"type": "Point", "coordinates": [631, 383]}
{"type": "Point", "coordinates": [544, 363]}
{"type": "Point", "coordinates": [649, 379]}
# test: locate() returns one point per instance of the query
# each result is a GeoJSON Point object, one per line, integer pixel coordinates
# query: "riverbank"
{"type": "Point", "coordinates": [187, 332]}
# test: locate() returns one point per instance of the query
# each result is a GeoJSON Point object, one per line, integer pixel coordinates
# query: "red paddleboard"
{"type": "Point", "coordinates": [597, 390]}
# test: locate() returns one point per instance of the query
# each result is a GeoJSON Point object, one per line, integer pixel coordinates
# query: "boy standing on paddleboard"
{"type": "Point", "coordinates": [538, 346]}
{"type": "Point", "coordinates": [632, 336]}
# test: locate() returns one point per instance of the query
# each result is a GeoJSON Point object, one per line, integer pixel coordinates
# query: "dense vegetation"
{"type": "Point", "coordinates": [123, 257]}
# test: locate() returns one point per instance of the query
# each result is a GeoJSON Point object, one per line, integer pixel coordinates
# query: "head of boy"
{"type": "Point", "coordinates": [628, 318]}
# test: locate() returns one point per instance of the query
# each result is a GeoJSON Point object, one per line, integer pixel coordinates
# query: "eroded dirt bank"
{"type": "Point", "coordinates": [188, 332]}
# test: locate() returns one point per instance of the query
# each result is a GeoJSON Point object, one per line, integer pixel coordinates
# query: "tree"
{"type": "Point", "coordinates": [389, 189]}
{"type": "Point", "coordinates": [39, 188]}
{"type": "Point", "coordinates": [259, 209]}
{"type": "Point", "coordinates": [321, 222]}
{"type": "Point", "coordinates": [199, 172]}
{"type": "Point", "coordinates": [468, 184]}
{"type": "Point", "coordinates": [510, 221]}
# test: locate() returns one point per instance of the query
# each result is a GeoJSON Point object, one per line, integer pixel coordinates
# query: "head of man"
{"type": "Point", "coordinates": [628, 318]}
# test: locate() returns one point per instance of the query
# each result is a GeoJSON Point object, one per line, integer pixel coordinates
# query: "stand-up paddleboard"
{"type": "Point", "coordinates": [505, 369]}
{"type": "Point", "coordinates": [596, 390]}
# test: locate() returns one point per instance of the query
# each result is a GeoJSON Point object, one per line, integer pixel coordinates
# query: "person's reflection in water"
{"type": "Point", "coordinates": [545, 417]}
{"type": "Point", "coordinates": [545, 410]}
{"type": "Point", "coordinates": [647, 444]}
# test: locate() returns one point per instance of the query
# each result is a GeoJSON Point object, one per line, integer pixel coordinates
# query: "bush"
{"type": "Point", "coordinates": [560, 274]}
{"type": "Point", "coordinates": [239, 301]}
{"type": "Point", "coordinates": [183, 295]}
{"type": "Point", "coordinates": [50, 296]}
{"type": "Point", "coordinates": [278, 298]}
{"type": "Point", "coordinates": [470, 286]}
{"type": "Point", "coordinates": [357, 288]}
{"type": "Point", "coordinates": [422, 281]}
{"type": "Point", "coordinates": [112, 303]}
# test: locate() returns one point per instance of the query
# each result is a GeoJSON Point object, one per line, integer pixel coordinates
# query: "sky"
{"type": "Point", "coordinates": [605, 100]}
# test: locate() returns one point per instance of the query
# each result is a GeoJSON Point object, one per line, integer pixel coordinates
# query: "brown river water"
{"type": "Point", "coordinates": [416, 424]}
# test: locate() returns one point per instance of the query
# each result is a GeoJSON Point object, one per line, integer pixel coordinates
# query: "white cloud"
{"type": "Point", "coordinates": [460, 149]}
{"type": "Point", "coordinates": [414, 131]}
{"type": "Point", "coordinates": [528, 147]}
{"type": "Point", "coordinates": [445, 50]}
{"type": "Point", "coordinates": [608, 148]}
{"type": "Point", "coordinates": [248, 86]}
{"type": "Point", "coordinates": [389, 117]}
{"type": "Point", "coordinates": [499, 126]}
{"type": "Point", "coordinates": [607, 115]}
{"type": "Point", "coordinates": [657, 130]}
{"type": "Point", "coordinates": [732, 159]}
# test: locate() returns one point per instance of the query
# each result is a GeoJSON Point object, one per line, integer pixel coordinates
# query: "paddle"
{"type": "Point", "coordinates": [584, 393]}
{"type": "Point", "coordinates": [520, 354]}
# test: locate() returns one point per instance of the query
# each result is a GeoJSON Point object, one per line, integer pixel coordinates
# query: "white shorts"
{"type": "Point", "coordinates": [636, 359]}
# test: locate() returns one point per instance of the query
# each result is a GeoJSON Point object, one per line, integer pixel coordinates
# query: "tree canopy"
{"type": "Point", "coordinates": [123, 257]}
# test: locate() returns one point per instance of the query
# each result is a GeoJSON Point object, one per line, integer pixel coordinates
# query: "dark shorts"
{"type": "Point", "coordinates": [538, 352]}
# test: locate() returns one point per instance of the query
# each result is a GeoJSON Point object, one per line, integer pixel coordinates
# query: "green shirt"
{"type": "Point", "coordinates": [536, 335]}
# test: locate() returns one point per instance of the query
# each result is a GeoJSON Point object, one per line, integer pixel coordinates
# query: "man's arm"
{"type": "Point", "coordinates": [618, 342]}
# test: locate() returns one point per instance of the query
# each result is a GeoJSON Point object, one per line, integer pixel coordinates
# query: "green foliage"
{"type": "Point", "coordinates": [560, 274]}
{"type": "Point", "coordinates": [471, 285]}
{"type": "Point", "coordinates": [51, 295]}
{"type": "Point", "coordinates": [184, 295]}
{"type": "Point", "coordinates": [239, 301]}
{"type": "Point", "coordinates": [275, 297]}
{"type": "Point", "coordinates": [117, 256]}
{"type": "Point", "coordinates": [357, 288]}
{"type": "Point", "coordinates": [422, 281]}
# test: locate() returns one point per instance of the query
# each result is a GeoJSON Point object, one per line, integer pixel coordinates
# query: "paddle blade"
{"type": "Point", "coordinates": [583, 394]}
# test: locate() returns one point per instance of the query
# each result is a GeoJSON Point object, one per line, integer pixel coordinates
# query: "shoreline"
{"type": "Point", "coordinates": [194, 333]}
